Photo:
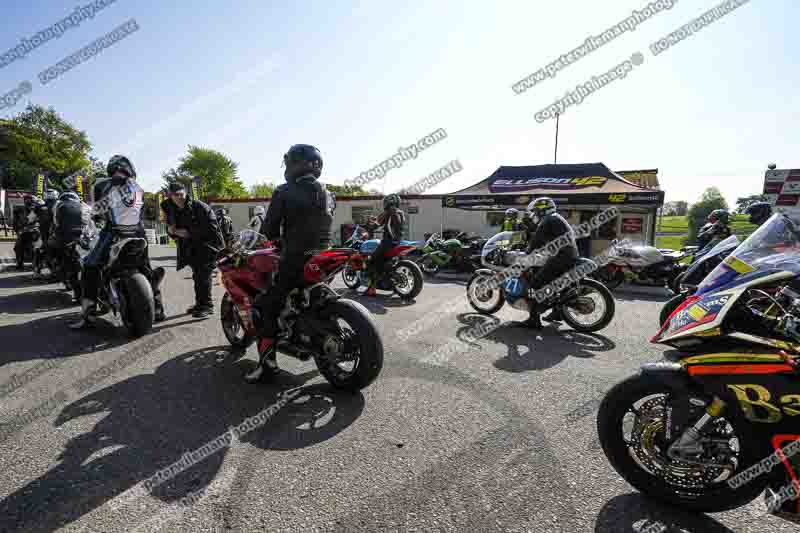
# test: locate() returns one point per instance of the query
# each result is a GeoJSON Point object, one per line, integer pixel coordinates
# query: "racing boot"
{"type": "Point", "coordinates": [553, 316]}
{"type": "Point", "coordinates": [267, 367]}
{"type": "Point", "coordinates": [534, 321]}
{"type": "Point", "coordinates": [157, 277]}
{"type": "Point", "coordinates": [88, 312]}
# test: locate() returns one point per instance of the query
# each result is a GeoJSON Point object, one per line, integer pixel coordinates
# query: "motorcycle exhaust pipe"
{"type": "Point", "coordinates": [293, 351]}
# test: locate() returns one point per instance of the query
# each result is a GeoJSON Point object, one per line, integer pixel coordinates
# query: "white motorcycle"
{"type": "Point", "coordinates": [642, 265]}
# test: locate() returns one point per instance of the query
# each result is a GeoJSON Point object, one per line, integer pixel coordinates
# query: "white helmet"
{"type": "Point", "coordinates": [259, 210]}
{"type": "Point", "coordinates": [512, 212]}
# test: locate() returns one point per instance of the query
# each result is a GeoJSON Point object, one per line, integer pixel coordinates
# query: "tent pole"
{"type": "Point", "coordinates": [555, 154]}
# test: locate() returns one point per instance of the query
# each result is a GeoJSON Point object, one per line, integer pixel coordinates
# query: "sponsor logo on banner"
{"type": "Point", "coordinates": [791, 187]}
{"type": "Point", "coordinates": [788, 199]}
{"type": "Point", "coordinates": [616, 198]}
{"type": "Point", "coordinates": [451, 202]}
{"type": "Point", "coordinates": [558, 183]}
{"type": "Point", "coordinates": [776, 175]}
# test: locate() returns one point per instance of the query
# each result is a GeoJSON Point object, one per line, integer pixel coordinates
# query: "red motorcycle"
{"type": "Point", "coordinates": [315, 321]}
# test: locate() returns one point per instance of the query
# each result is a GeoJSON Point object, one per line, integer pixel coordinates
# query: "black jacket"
{"type": "Point", "coordinates": [45, 217]}
{"type": "Point", "coordinates": [206, 239]}
{"type": "Point", "coordinates": [392, 221]}
{"type": "Point", "coordinates": [301, 214]}
{"type": "Point", "coordinates": [69, 221]}
{"type": "Point", "coordinates": [549, 229]}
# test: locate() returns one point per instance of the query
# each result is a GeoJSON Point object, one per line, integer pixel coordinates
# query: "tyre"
{"type": "Point", "coordinates": [429, 266]}
{"type": "Point", "coordinates": [708, 495]}
{"type": "Point", "coordinates": [137, 306]}
{"type": "Point", "coordinates": [412, 282]}
{"type": "Point", "coordinates": [362, 347]}
{"type": "Point", "coordinates": [675, 283]}
{"type": "Point", "coordinates": [486, 302]}
{"type": "Point", "coordinates": [670, 307]}
{"type": "Point", "coordinates": [232, 325]}
{"type": "Point", "coordinates": [612, 280]}
{"type": "Point", "coordinates": [351, 278]}
{"type": "Point", "coordinates": [600, 296]}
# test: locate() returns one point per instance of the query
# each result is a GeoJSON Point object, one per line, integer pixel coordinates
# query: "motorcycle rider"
{"type": "Point", "coordinates": [550, 226]}
{"type": "Point", "coordinates": [257, 221]}
{"type": "Point", "coordinates": [226, 225]}
{"type": "Point", "coordinates": [759, 212]}
{"type": "Point", "coordinates": [391, 220]}
{"type": "Point", "coordinates": [716, 228]}
{"type": "Point", "coordinates": [26, 230]}
{"type": "Point", "coordinates": [510, 223]}
{"type": "Point", "coordinates": [44, 214]}
{"type": "Point", "coordinates": [301, 215]}
{"type": "Point", "coordinates": [70, 217]}
{"type": "Point", "coordinates": [119, 205]}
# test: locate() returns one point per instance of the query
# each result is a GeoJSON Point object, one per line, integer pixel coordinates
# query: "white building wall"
{"type": "Point", "coordinates": [431, 217]}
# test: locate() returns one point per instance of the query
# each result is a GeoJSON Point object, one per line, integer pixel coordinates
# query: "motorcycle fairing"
{"type": "Point", "coordinates": [367, 247]}
{"type": "Point", "coordinates": [705, 311]}
{"type": "Point", "coordinates": [120, 245]}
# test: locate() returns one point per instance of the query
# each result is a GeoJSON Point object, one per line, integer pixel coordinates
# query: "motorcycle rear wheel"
{"type": "Point", "coordinates": [720, 495]}
{"type": "Point", "coordinates": [587, 287]}
{"type": "Point", "coordinates": [414, 277]}
{"type": "Point", "coordinates": [362, 342]}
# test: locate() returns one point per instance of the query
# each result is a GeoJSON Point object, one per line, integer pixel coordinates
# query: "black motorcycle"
{"type": "Point", "coordinates": [124, 288]}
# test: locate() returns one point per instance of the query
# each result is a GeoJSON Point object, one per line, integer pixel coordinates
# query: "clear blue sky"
{"type": "Point", "coordinates": [360, 79]}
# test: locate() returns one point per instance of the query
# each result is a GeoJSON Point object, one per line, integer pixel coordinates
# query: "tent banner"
{"type": "Point", "coordinates": [498, 201]}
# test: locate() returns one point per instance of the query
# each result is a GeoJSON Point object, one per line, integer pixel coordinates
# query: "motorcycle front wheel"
{"type": "Point", "coordinates": [351, 357]}
{"type": "Point", "coordinates": [429, 266]}
{"type": "Point", "coordinates": [484, 300]}
{"type": "Point", "coordinates": [351, 278]}
{"type": "Point", "coordinates": [232, 325]}
{"type": "Point", "coordinates": [630, 425]}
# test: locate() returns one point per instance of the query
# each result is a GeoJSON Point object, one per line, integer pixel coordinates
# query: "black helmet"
{"type": "Point", "coordinates": [721, 215]}
{"type": "Point", "coordinates": [301, 159]}
{"type": "Point", "coordinates": [122, 164]}
{"type": "Point", "coordinates": [759, 212]}
{"type": "Point", "coordinates": [393, 200]}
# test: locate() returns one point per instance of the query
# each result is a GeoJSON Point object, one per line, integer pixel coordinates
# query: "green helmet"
{"type": "Point", "coordinates": [541, 207]}
{"type": "Point", "coordinates": [393, 200]}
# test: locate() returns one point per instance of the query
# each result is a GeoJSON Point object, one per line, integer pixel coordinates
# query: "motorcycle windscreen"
{"type": "Point", "coordinates": [501, 240]}
{"type": "Point", "coordinates": [697, 270]}
{"type": "Point", "coordinates": [775, 246]}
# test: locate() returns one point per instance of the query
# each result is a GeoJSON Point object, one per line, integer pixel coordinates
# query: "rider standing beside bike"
{"type": "Point", "coordinates": [119, 203]}
{"type": "Point", "coordinates": [391, 220]}
{"type": "Point", "coordinates": [303, 209]}
{"type": "Point", "coordinates": [549, 227]}
{"type": "Point", "coordinates": [25, 228]}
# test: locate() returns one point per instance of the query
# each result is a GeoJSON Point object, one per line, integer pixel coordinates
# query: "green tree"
{"type": "Point", "coordinates": [217, 173]}
{"type": "Point", "coordinates": [262, 190]}
{"type": "Point", "coordinates": [746, 201]}
{"type": "Point", "coordinates": [712, 199]}
{"type": "Point", "coordinates": [40, 140]}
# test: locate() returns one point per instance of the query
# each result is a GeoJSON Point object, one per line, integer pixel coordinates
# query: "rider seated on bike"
{"type": "Point", "coordinates": [68, 222]}
{"type": "Point", "coordinates": [715, 229]}
{"type": "Point", "coordinates": [391, 220]}
{"type": "Point", "coordinates": [759, 212]}
{"type": "Point", "coordinates": [549, 227]}
{"type": "Point", "coordinates": [510, 223]}
{"type": "Point", "coordinates": [303, 209]}
{"type": "Point", "coordinates": [119, 204]}
{"type": "Point", "coordinates": [44, 214]}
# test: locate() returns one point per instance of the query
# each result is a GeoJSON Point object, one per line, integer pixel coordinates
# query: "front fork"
{"type": "Point", "coordinates": [688, 443]}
